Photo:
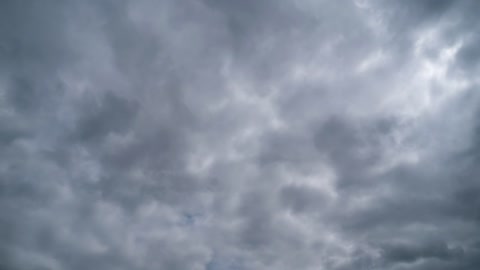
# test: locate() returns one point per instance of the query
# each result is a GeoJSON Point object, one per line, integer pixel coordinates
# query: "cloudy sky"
{"type": "Point", "coordinates": [239, 135]}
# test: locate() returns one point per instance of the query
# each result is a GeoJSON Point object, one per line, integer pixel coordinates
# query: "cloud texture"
{"type": "Point", "coordinates": [222, 134]}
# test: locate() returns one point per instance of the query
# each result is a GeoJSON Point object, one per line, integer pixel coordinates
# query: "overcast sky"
{"type": "Point", "coordinates": [239, 135]}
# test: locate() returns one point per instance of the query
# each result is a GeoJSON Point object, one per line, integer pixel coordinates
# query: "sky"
{"type": "Point", "coordinates": [239, 135]}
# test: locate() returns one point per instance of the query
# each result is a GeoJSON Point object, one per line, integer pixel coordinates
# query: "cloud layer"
{"type": "Point", "coordinates": [221, 134]}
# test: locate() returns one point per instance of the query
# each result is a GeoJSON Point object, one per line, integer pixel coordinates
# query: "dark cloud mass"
{"type": "Point", "coordinates": [222, 134]}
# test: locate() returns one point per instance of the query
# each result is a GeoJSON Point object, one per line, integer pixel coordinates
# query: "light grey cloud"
{"type": "Point", "coordinates": [225, 134]}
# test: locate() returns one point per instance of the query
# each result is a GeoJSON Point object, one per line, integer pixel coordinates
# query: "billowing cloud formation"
{"type": "Point", "coordinates": [221, 134]}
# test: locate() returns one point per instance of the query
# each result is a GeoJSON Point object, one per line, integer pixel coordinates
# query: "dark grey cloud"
{"type": "Point", "coordinates": [223, 134]}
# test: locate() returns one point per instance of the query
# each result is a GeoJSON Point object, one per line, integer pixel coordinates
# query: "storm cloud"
{"type": "Point", "coordinates": [222, 134]}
